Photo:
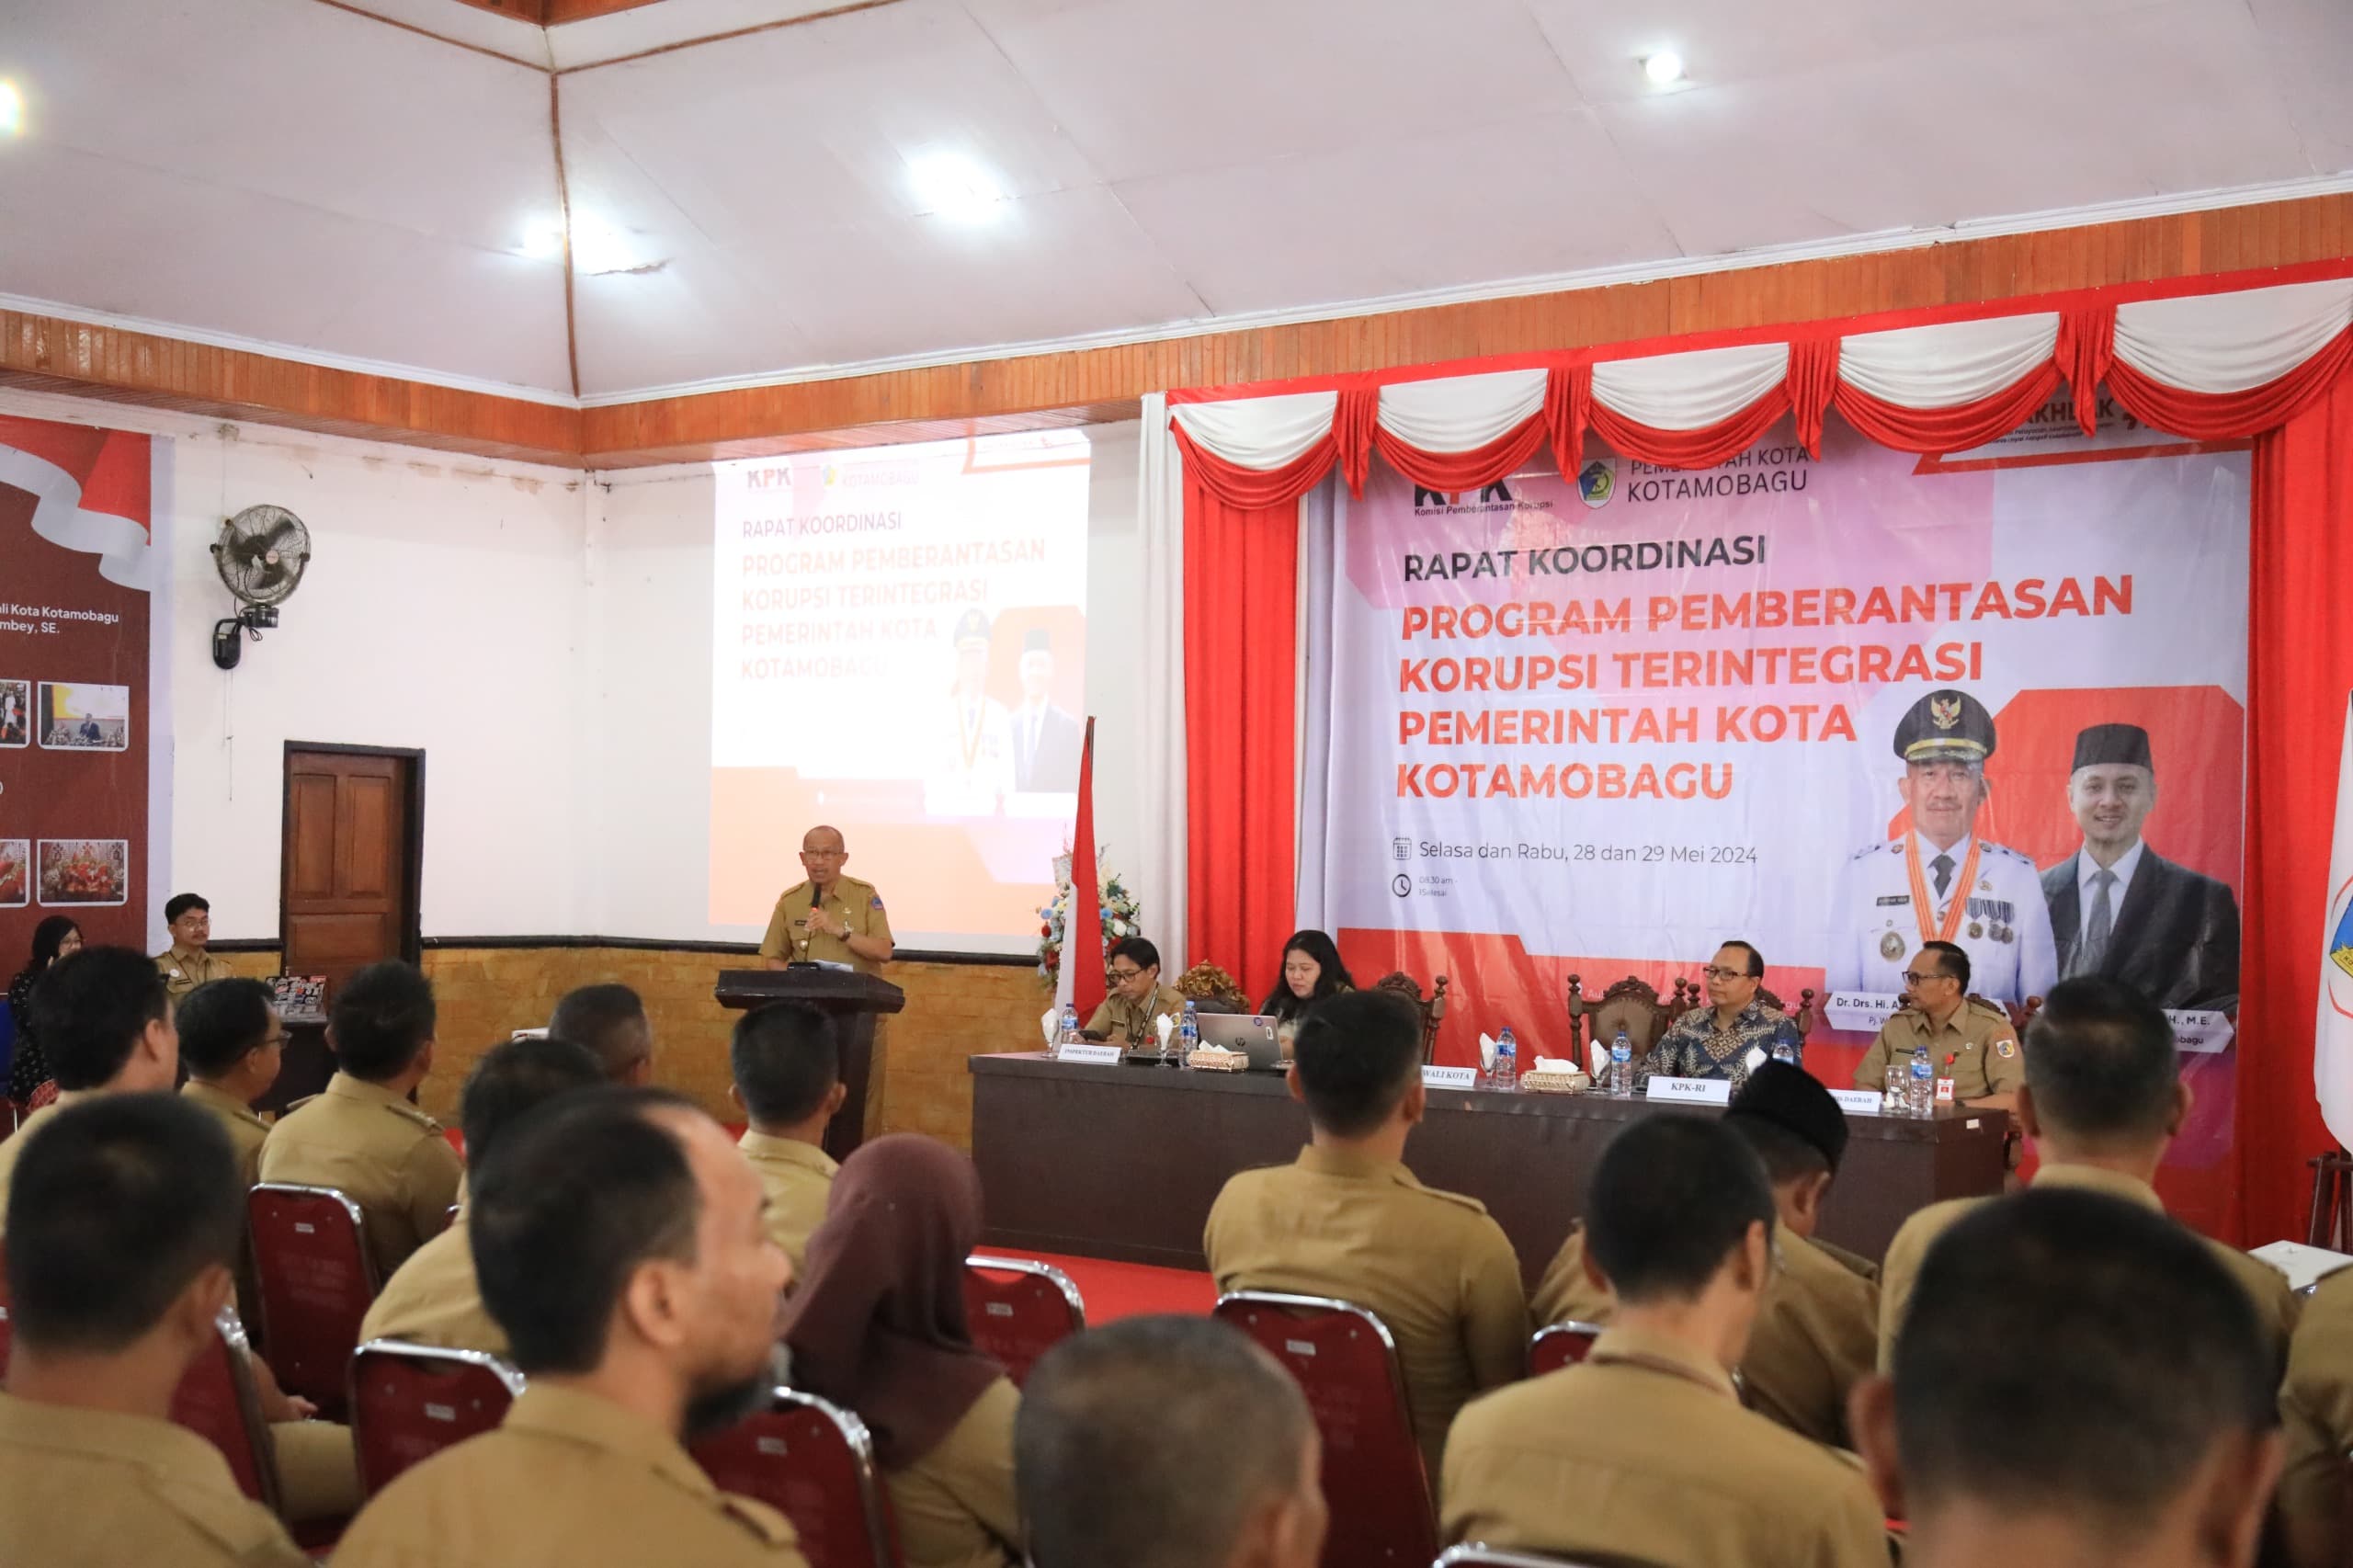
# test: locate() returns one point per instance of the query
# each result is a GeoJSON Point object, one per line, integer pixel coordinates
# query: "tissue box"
{"type": "Point", "coordinates": [1539, 1083]}
{"type": "Point", "coordinates": [1210, 1059]}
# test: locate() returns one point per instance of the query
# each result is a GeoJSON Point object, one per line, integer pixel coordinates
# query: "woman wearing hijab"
{"type": "Point", "coordinates": [28, 1073]}
{"type": "Point", "coordinates": [877, 1325]}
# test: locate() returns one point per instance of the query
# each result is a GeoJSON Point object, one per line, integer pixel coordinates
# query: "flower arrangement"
{"type": "Point", "coordinates": [1118, 913]}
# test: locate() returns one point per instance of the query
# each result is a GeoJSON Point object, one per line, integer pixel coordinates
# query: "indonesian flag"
{"type": "Point", "coordinates": [1079, 983]}
{"type": "Point", "coordinates": [2332, 1036]}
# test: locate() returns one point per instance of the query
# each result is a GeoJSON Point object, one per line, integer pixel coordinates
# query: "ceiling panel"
{"type": "Point", "coordinates": [1146, 87]}
{"type": "Point", "coordinates": [1538, 195]}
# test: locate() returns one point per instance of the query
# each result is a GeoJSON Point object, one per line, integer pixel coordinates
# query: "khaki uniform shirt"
{"type": "Point", "coordinates": [2316, 1409]}
{"type": "Point", "coordinates": [1816, 1334]}
{"type": "Point", "coordinates": [1131, 1023]}
{"type": "Point", "coordinates": [1978, 1036]}
{"type": "Point", "coordinates": [1644, 1453]}
{"type": "Point", "coordinates": [13, 1148]}
{"type": "Point", "coordinates": [379, 1151]}
{"type": "Point", "coordinates": [570, 1480]}
{"type": "Point", "coordinates": [185, 971]}
{"type": "Point", "coordinates": [2275, 1306]}
{"type": "Point", "coordinates": [245, 1128]}
{"type": "Point", "coordinates": [434, 1299]}
{"type": "Point", "coordinates": [92, 1489]}
{"type": "Point", "coordinates": [852, 903]}
{"type": "Point", "coordinates": [955, 1506]}
{"type": "Point", "coordinates": [798, 1178]}
{"type": "Point", "coordinates": [1436, 1270]}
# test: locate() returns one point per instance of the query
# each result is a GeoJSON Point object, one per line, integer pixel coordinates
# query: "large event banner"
{"type": "Point", "coordinates": [1598, 725]}
{"type": "Point", "coordinates": [75, 731]}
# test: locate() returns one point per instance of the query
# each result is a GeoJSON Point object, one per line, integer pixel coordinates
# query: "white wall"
{"type": "Point", "coordinates": [543, 636]}
{"type": "Point", "coordinates": [650, 580]}
{"type": "Point", "coordinates": [442, 608]}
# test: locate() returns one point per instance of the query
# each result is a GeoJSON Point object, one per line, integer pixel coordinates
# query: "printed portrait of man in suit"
{"type": "Point", "coordinates": [2117, 907]}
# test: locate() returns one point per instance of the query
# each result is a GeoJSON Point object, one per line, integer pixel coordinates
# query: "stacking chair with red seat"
{"type": "Point", "coordinates": [1016, 1310]}
{"type": "Point", "coordinates": [409, 1402]}
{"type": "Point", "coordinates": [218, 1400]}
{"type": "Point", "coordinates": [813, 1463]}
{"type": "Point", "coordinates": [317, 1280]}
{"type": "Point", "coordinates": [1564, 1343]}
{"type": "Point", "coordinates": [1486, 1557]}
{"type": "Point", "coordinates": [1346, 1363]}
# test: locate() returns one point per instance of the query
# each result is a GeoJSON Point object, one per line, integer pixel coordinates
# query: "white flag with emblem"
{"type": "Point", "coordinates": [2333, 1036]}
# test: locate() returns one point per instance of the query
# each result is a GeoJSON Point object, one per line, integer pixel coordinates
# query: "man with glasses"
{"type": "Point", "coordinates": [1136, 997]}
{"type": "Point", "coordinates": [188, 962]}
{"type": "Point", "coordinates": [1970, 1041]}
{"type": "Point", "coordinates": [830, 918]}
{"type": "Point", "coordinates": [1735, 1034]}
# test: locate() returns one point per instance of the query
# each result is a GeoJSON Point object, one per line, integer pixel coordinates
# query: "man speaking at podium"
{"type": "Point", "coordinates": [829, 918]}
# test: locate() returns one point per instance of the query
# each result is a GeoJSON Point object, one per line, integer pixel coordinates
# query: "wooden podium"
{"type": "Point", "coordinates": [855, 1000]}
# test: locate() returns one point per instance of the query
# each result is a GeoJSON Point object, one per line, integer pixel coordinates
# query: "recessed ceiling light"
{"type": "Point", "coordinates": [1664, 68]}
{"type": "Point", "coordinates": [12, 109]}
{"type": "Point", "coordinates": [954, 186]}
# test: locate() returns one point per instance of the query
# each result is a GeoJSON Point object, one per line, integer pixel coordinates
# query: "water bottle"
{"type": "Point", "coordinates": [1922, 1098]}
{"type": "Point", "coordinates": [1507, 1061]}
{"type": "Point", "coordinates": [1070, 1024]}
{"type": "Point", "coordinates": [1781, 1052]}
{"type": "Point", "coordinates": [1622, 1067]}
{"type": "Point", "coordinates": [1188, 1033]}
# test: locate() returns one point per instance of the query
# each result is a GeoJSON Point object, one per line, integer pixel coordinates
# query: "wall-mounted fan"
{"type": "Point", "coordinates": [261, 554]}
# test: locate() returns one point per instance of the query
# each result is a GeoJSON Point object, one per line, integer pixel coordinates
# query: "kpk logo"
{"type": "Point", "coordinates": [1498, 493]}
{"type": "Point", "coordinates": [1597, 483]}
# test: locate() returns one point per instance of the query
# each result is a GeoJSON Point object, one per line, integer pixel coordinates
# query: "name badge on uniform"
{"type": "Point", "coordinates": [1944, 1091]}
{"type": "Point", "coordinates": [1692, 1091]}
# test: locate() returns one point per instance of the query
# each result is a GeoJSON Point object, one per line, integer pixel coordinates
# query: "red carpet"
{"type": "Point", "coordinates": [1116, 1291]}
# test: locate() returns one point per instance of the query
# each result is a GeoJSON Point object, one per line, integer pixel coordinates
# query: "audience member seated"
{"type": "Point", "coordinates": [231, 1042]}
{"type": "Point", "coordinates": [111, 1032]}
{"type": "Point", "coordinates": [362, 1136]}
{"type": "Point", "coordinates": [787, 1068]}
{"type": "Point", "coordinates": [877, 1325]}
{"type": "Point", "coordinates": [638, 1294]}
{"type": "Point", "coordinates": [106, 1024]}
{"type": "Point", "coordinates": [1168, 1442]}
{"type": "Point", "coordinates": [1312, 973]}
{"type": "Point", "coordinates": [55, 938]}
{"type": "Point", "coordinates": [123, 1223]}
{"type": "Point", "coordinates": [610, 1021]}
{"type": "Point", "coordinates": [1734, 1034]}
{"type": "Point", "coordinates": [1970, 1041]}
{"type": "Point", "coordinates": [1817, 1333]}
{"type": "Point", "coordinates": [2102, 1099]}
{"type": "Point", "coordinates": [433, 1298]}
{"type": "Point", "coordinates": [188, 962]}
{"type": "Point", "coordinates": [2081, 1383]}
{"type": "Point", "coordinates": [1136, 997]}
{"type": "Point", "coordinates": [2316, 1407]}
{"type": "Point", "coordinates": [1643, 1453]}
{"type": "Point", "coordinates": [1347, 1220]}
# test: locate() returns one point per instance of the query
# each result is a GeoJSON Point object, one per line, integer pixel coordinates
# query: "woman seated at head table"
{"type": "Point", "coordinates": [1312, 971]}
{"type": "Point", "coordinates": [1136, 997]}
{"type": "Point", "coordinates": [876, 1323]}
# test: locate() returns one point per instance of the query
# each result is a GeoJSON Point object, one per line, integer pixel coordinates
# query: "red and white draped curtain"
{"type": "Point", "coordinates": [2266, 362]}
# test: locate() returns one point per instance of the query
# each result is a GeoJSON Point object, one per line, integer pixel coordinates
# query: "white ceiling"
{"type": "Point", "coordinates": [293, 173]}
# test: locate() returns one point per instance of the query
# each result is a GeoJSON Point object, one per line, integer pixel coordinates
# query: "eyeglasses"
{"type": "Point", "coordinates": [1124, 974]}
{"type": "Point", "coordinates": [1718, 972]}
{"type": "Point", "coordinates": [1916, 981]}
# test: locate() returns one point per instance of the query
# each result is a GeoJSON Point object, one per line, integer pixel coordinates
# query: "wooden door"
{"type": "Point", "coordinates": [350, 867]}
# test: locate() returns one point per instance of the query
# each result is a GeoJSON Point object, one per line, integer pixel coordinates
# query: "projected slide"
{"type": "Point", "coordinates": [898, 649]}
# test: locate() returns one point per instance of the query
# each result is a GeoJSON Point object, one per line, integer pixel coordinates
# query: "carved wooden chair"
{"type": "Point", "coordinates": [1212, 990]}
{"type": "Point", "coordinates": [1632, 1004]}
{"type": "Point", "coordinates": [1432, 1008]}
{"type": "Point", "coordinates": [1803, 1015]}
